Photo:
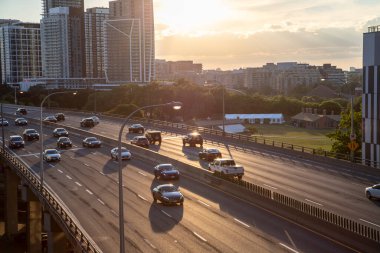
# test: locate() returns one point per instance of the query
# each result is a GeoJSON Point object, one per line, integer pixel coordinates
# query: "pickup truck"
{"type": "Point", "coordinates": [226, 166]}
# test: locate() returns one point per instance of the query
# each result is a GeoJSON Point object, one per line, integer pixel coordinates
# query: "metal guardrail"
{"type": "Point", "coordinates": [319, 213]}
{"type": "Point", "coordinates": [84, 243]}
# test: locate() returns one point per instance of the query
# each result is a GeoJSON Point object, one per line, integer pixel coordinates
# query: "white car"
{"type": "Point", "coordinates": [51, 155]}
{"type": "Point", "coordinates": [373, 191]}
{"type": "Point", "coordinates": [125, 153]}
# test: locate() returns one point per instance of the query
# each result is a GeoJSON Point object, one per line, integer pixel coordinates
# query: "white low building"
{"type": "Point", "coordinates": [272, 118]}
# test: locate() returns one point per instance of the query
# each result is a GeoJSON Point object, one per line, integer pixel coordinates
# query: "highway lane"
{"type": "Point", "coordinates": [209, 221]}
{"type": "Point", "coordinates": [337, 189]}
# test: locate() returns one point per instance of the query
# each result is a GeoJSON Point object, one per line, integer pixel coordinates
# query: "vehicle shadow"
{"type": "Point", "coordinates": [111, 166]}
{"type": "Point", "coordinates": [164, 218]}
{"type": "Point", "coordinates": [191, 153]}
{"type": "Point", "coordinates": [154, 147]}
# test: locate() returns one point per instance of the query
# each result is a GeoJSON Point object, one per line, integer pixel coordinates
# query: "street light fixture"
{"type": "Point", "coordinates": [42, 136]}
{"type": "Point", "coordinates": [175, 106]}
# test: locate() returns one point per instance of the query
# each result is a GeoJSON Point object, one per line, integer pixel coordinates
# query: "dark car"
{"type": "Point", "coordinates": [16, 141]}
{"type": "Point", "coordinates": [192, 139]}
{"type": "Point", "coordinates": [153, 137]}
{"type": "Point", "coordinates": [64, 142]}
{"type": "Point", "coordinates": [21, 111]}
{"type": "Point", "coordinates": [166, 171]}
{"type": "Point", "coordinates": [92, 142]}
{"type": "Point", "coordinates": [31, 134]}
{"type": "Point", "coordinates": [210, 154]}
{"type": "Point", "coordinates": [21, 122]}
{"type": "Point", "coordinates": [167, 194]}
{"type": "Point", "coordinates": [136, 128]}
{"type": "Point", "coordinates": [50, 118]}
{"type": "Point", "coordinates": [87, 122]}
{"type": "Point", "coordinates": [141, 141]}
{"type": "Point", "coordinates": [59, 132]}
{"type": "Point", "coordinates": [60, 116]}
{"type": "Point", "coordinates": [4, 122]}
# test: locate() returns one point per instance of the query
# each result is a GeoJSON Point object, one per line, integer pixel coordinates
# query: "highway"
{"type": "Point", "coordinates": [210, 220]}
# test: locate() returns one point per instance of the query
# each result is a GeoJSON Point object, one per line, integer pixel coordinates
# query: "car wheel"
{"type": "Point", "coordinates": [181, 203]}
{"type": "Point", "coordinates": [154, 199]}
{"type": "Point", "coordinates": [240, 177]}
{"type": "Point", "coordinates": [368, 195]}
{"type": "Point", "coordinates": [184, 143]}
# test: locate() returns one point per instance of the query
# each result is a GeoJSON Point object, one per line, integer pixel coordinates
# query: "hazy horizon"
{"type": "Point", "coordinates": [232, 34]}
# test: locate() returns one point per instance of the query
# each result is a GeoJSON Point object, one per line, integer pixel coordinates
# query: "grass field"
{"type": "Point", "coordinates": [312, 138]}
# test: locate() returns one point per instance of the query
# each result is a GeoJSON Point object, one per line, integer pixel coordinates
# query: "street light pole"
{"type": "Point", "coordinates": [15, 95]}
{"type": "Point", "coordinates": [2, 126]}
{"type": "Point", "coordinates": [176, 106]}
{"type": "Point", "coordinates": [223, 111]}
{"type": "Point", "coordinates": [42, 137]}
{"type": "Point", "coordinates": [352, 134]}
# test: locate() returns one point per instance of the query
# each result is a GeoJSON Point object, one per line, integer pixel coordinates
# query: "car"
{"type": "Point", "coordinates": [209, 154]}
{"type": "Point", "coordinates": [51, 155]}
{"type": "Point", "coordinates": [87, 122]}
{"type": "Point", "coordinates": [373, 191]}
{"type": "Point", "coordinates": [153, 137]}
{"type": "Point", "coordinates": [31, 134]}
{"type": "Point", "coordinates": [59, 132]}
{"type": "Point", "coordinates": [192, 139]}
{"type": "Point", "coordinates": [4, 122]}
{"type": "Point", "coordinates": [125, 154]}
{"type": "Point", "coordinates": [64, 142]}
{"type": "Point", "coordinates": [16, 141]}
{"type": "Point", "coordinates": [141, 141]}
{"type": "Point", "coordinates": [21, 122]}
{"type": "Point", "coordinates": [91, 142]}
{"type": "Point", "coordinates": [50, 118]}
{"type": "Point", "coordinates": [95, 119]}
{"type": "Point", "coordinates": [136, 128]}
{"type": "Point", "coordinates": [21, 111]}
{"type": "Point", "coordinates": [59, 116]}
{"type": "Point", "coordinates": [167, 194]}
{"type": "Point", "coordinates": [166, 171]}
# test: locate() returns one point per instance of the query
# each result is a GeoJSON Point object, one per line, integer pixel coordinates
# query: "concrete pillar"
{"type": "Point", "coordinates": [11, 210]}
{"type": "Point", "coordinates": [34, 223]}
{"type": "Point", "coordinates": [56, 239]}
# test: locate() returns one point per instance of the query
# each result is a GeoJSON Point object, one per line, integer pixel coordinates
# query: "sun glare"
{"type": "Point", "coordinates": [185, 16]}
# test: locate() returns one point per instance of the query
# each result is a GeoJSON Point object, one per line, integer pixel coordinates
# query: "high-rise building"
{"type": "Point", "coordinates": [20, 52]}
{"type": "Point", "coordinates": [48, 4]}
{"type": "Point", "coordinates": [94, 28]}
{"type": "Point", "coordinates": [371, 97]}
{"type": "Point", "coordinates": [129, 32]}
{"type": "Point", "coordinates": [62, 43]}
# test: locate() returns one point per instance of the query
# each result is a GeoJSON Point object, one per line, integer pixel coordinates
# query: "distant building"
{"type": "Point", "coordinates": [20, 51]}
{"type": "Point", "coordinates": [95, 44]}
{"type": "Point", "coordinates": [261, 118]}
{"type": "Point", "coordinates": [333, 74]}
{"type": "Point", "coordinates": [371, 97]}
{"type": "Point", "coordinates": [130, 45]}
{"type": "Point", "coordinates": [310, 118]}
{"type": "Point", "coordinates": [48, 4]}
{"type": "Point", "coordinates": [173, 70]}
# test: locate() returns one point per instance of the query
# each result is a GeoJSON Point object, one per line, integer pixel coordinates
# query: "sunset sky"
{"type": "Point", "coordinates": [230, 34]}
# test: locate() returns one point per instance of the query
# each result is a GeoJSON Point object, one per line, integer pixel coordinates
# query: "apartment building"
{"type": "Point", "coordinates": [371, 97]}
{"type": "Point", "coordinates": [95, 44]}
{"type": "Point", "coordinates": [20, 51]}
{"type": "Point", "coordinates": [48, 4]}
{"type": "Point", "coordinates": [129, 38]}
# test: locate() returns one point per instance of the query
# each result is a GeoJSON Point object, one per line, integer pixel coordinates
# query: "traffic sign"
{"type": "Point", "coordinates": [353, 145]}
{"type": "Point", "coordinates": [352, 137]}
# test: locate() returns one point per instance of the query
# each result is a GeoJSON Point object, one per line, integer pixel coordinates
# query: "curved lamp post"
{"type": "Point", "coordinates": [42, 137]}
{"type": "Point", "coordinates": [175, 106]}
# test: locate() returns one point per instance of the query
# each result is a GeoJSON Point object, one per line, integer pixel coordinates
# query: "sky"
{"type": "Point", "coordinates": [233, 34]}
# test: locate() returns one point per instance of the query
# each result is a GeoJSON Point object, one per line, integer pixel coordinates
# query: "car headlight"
{"type": "Point", "coordinates": [166, 198]}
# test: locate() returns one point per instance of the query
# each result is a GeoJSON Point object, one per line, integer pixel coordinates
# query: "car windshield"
{"type": "Point", "coordinates": [92, 139]}
{"type": "Point", "coordinates": [61, 130]}
{"type": "Point", "coordinates": [31, 131]}
{"type": "Point", "coordinates": [167, 167]}
{"type": "Point", "coordinates": [212, 150]}
{"type": "Point", "coordinates": [136, 125]}
{"type": "Point", "coordinates": [64, 139]}
{"type": "Point", "coordinates": [51, 152]}
{"type": "Point", "coordinates": [228, 163]}
{"type": "Point", "coordinates": [170, 188]}
{"type": "Point", "coordinates": [16, 138]}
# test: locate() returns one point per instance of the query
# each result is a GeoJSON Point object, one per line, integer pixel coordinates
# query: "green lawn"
{"type": "Point", "coordinates": [312, 138]}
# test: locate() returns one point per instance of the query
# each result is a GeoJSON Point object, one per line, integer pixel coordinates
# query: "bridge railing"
{"type": "Point", "coordinates": [68, 223]}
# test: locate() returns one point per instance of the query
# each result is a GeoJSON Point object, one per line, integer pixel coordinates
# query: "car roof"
{"type": "Point", "coordinates": [223, 159]}
{"type": "Point", "coordinates": [51, 149]}
{"type": "Point", "coordinates": [15, 136]}
{"type": "Point", "coordinates": [164, 164]}
{"type": "Point", "coordinates": [165, 185]}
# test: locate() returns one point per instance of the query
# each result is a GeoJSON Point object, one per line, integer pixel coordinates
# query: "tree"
{"type": "Point", "coordinates": [330, 106]}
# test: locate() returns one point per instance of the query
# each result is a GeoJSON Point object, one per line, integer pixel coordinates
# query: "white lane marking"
{"type": "Point", "coordinates": [370, 223]}
{"type": "Point", "coordinates": [60, 171]}
{"type": "Point", "coordinates": [203, 203]}
{"type": "Point", "coordinates": [36, 156]}
{"type": "Point", "coordinates": [30, 154]}
{"type": "Point", "coordinates": [94, 153]}
{"type": "Point", "coordinates": [314, 202]}
{"type": "Point", "coordinates": [287, 247]}
{"type": "Point", "coordinates": [141, 173]}
{"type": "Point", "coordinates": [101, 202]}
{"type": "Point", "coordinates": [175, 137]}
{"type": "Point", "coordinates": [78, 183]}
{"type": "Point", "coordinates": [85, 164]}
{"type": "Point", "coordinates": [69, 177]}
{"type": "Point", "coordinates": [102, 173]}
{"type": "Point", "coordinates": [149, 243]}
{"type": "Point", "coordinates": [51, 165]}
{"type": "Point", "coordinates": [89, 192]}
{"type": "Point", "coordinates": [141, 197]}
{"type": "Point", "coordinates": [267, 185]}
{"type": "Point", "coordinates": [290, 239]}
{"type": "Point", "coordinates": [199, 236]}
{"type": "Point", "coordinates": [244, 224]}
{"type": "Point", "coordinates": [75, 146]}
{"type": "Point", "coordinates": [166, 213]}
{"type": "Point", "coordinates": [114, 213]}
